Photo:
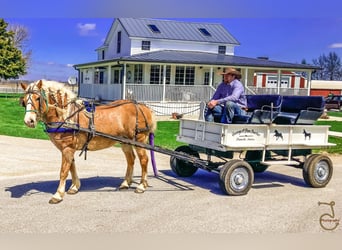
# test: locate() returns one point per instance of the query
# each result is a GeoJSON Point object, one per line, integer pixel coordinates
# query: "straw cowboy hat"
{"type": "Point", "coordinates": [232, 71]}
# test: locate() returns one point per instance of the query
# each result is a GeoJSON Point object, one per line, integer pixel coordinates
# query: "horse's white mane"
{"type": "Point", "coordinates": [53, 87]}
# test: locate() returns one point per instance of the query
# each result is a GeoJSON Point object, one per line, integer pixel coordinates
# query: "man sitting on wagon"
{"type": "Point", "coordinates": [228, 100]}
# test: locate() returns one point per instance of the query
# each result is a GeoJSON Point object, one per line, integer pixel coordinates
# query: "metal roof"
{"type": "Point", "coordinates": [191, 57]}
{"type": "Point", "coordinates": [202, 58]}
{"type": "Point", "coordinates": [177, 30]}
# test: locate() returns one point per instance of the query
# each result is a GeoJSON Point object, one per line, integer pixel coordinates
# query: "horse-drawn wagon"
{"type": "Point", "coordinates": [276, 130]}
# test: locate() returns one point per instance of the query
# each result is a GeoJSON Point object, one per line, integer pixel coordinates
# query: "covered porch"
{"type": "Point", "coordinates": [173, 78]}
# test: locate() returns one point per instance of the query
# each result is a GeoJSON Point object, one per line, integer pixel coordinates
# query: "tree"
{"type": "Point", "coordinates": [12, 62]}
{"type": "Point", "coordinates": [20, 39]}
{"type": "Point", "coordinates": [331, 68]}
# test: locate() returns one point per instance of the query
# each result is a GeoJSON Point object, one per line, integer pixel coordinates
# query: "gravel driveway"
{"type": "Point", "coordinates": [279, 201]}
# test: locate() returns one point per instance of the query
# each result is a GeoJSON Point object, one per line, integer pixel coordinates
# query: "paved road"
{"type": "Point", "coordinates": [279, 201]}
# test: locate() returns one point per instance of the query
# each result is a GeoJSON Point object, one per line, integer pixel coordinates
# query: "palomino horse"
{"type": "Point", "coordinates": [64, 116]}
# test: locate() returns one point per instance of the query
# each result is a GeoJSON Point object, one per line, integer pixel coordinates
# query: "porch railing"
{"type": "Point", "coordinates": [169, 93]}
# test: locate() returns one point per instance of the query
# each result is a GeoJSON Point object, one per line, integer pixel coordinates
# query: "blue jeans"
{"type": "Point", "coordinates": [227, 112]}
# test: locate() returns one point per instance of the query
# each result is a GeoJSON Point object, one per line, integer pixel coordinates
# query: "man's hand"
{"type": "Point", "coordinates": [212, 104]}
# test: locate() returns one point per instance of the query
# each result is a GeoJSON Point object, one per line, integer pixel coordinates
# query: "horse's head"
{"type": "Point", "coordinates": [35, 103]}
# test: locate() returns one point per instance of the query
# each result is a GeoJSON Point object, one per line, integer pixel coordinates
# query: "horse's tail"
{"type": "Point", "coordinates": [153, 128]}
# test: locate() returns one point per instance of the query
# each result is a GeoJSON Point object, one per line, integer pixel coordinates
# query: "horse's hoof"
{"type": "Point", "coordinates": [72, 191]}
{"type": "Point", "coordinates": [139, 190]}
{"type": "Point", "coordinates": [54, 201]}
{"type": "Point", "coordinates": [121, 188]}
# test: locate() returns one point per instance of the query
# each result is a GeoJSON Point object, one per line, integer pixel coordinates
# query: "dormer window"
{"type": "Point", "coordinates": [222, 49]}
{"type": "Point", "coordinates": [145, 45]}
{"type": "Point", "coordinates": [204, 31]}
{"type": "Point", "coordinates": [153, 28]}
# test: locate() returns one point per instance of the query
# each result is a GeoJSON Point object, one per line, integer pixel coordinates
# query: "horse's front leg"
{"type": "Point", "coordinates": [130, 157]}
{"type": "Point", "coordinates": [67, 161]}
{"type": "Point", "coordinates": [76, 183]}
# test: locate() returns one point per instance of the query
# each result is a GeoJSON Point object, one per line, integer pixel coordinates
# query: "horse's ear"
{"type": "Point", "coordinates": [21, 101]}
{"type": "Point", "coordinates": [24, 85]}
{"type": "Point", "coordinates": [40, 84]}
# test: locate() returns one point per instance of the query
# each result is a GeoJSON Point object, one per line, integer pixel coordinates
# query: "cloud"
{"type": "Point", "coordinates": [335, 46]}
{"type": "Point", "coordinates": [87, 29]}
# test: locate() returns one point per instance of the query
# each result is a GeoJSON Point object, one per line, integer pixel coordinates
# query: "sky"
{"type": "Point", "coordinates": [60, 39]}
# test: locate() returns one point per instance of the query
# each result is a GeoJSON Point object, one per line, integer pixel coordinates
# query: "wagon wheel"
{"type": "Point", "coordinates": [317, 170]}
{"type": "Point", "coordinates": [183, 168]}
{"type": "Point", "coordinates": [230, 163]}
{"type": "Point", "coordinates": [254, 157]}
{"type": "Point", "coordinates": [236, 177]}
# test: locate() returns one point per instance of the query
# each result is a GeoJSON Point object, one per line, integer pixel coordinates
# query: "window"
{"type": "Point", "coordinates": [103, 55]}
{"type": "Point", "coordinates": [138, 73]}
{"type": "Point", "coordinates": [153, 28]}
{"type": "Point", "coordinates": [118, 43]}
{"type": "Point", "coordinates": [222, 49]}
{"type": "Point", "coordinates": [157, 74]}
{"type": "Point", "coordinates": [272, 81]}
{"type": "Point", "coordinates": [101, 78]}
{"type": "Point", "coordinates": [185, 75]}
{"type": "Point", "coordinates": [204, 32]}
{"type": "Point", "coordinates": [145, 45]}
{"type": "Point", "coordinates": [116, 76]}
{"type": "Point", "coordinates": [206, 78]}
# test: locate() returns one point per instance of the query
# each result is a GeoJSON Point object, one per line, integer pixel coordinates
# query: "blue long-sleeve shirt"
{"type": "Point", "coordinates": [233, 91]}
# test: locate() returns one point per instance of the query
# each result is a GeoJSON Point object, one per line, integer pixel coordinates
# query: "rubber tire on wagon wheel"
{"type": "Point", "coordinates": [183, 168]}
{"type": "Point", "coordinates": [236, 177]}
{"type": "Point", "coordinates": [254, 157]}
{"type": "Point", "coordinates": [317, 170]}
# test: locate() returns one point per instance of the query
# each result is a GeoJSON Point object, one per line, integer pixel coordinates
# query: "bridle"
{"type": "Point", "coordinates": [42, 99]}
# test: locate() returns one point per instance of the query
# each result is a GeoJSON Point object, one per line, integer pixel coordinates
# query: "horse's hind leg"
{"type": "Point", "coordinates": [143, 158]}
{"type": "Point", "coordinates": [76, 184]}
{"type": "Point", "coordinates": [130, 157]}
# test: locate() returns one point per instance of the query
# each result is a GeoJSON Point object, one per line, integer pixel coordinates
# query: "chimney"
{"type": "Point", "coordinates": [262, 57]}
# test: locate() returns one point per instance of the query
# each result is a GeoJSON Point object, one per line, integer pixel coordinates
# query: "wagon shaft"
{"type": "Point", "coordinates": [179, 155]}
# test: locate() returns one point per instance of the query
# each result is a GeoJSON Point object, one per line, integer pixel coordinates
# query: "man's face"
{"type": "Point", "coordinates": [227, 78]}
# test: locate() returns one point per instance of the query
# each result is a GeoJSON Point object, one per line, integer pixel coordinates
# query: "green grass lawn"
{"type": "Point", "coordinates": [12, 114]}
{"type": "Point", "coordinates": [12, 124]}
{"type": "Point", "coordinates": [336, 113]}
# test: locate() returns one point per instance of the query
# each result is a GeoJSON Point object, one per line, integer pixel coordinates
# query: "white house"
{"type": "Point", "coordinates": [167, 61]}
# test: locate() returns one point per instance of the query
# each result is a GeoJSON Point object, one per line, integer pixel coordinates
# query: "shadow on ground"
{"type": "Point", "coordinates": [88, 184]}
{"type": "Point", "coordinates": [210, 181]}
{"type": "Point", "coordinates": [201, 179]}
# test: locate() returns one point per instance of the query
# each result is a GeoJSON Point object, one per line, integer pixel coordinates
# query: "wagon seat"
{"type": "Point", "coordinates": [261, 109]}
{"type": "Point", "coordinates": [300, 110]}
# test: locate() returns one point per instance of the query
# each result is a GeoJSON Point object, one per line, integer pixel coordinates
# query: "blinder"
{"type": "Point", "coordinates": [41, 99]}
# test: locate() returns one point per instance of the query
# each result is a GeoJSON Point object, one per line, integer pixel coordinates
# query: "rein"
{"type": "Point", "coordinates": [41, 95]}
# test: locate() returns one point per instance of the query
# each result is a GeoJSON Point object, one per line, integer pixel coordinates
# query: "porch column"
{"type": "Point", "coordinates": [124, 82]}
{"type": "Point", "coordinates": [211, 76]}
{"type": "Point", "coordinates": [246, 77]}
{"type": "Point", "coordinates": [109, 74]}
{"type": "Point", "coordinates": [164, 82]}
{"type": "Point", "coordinates": [278, 81]}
